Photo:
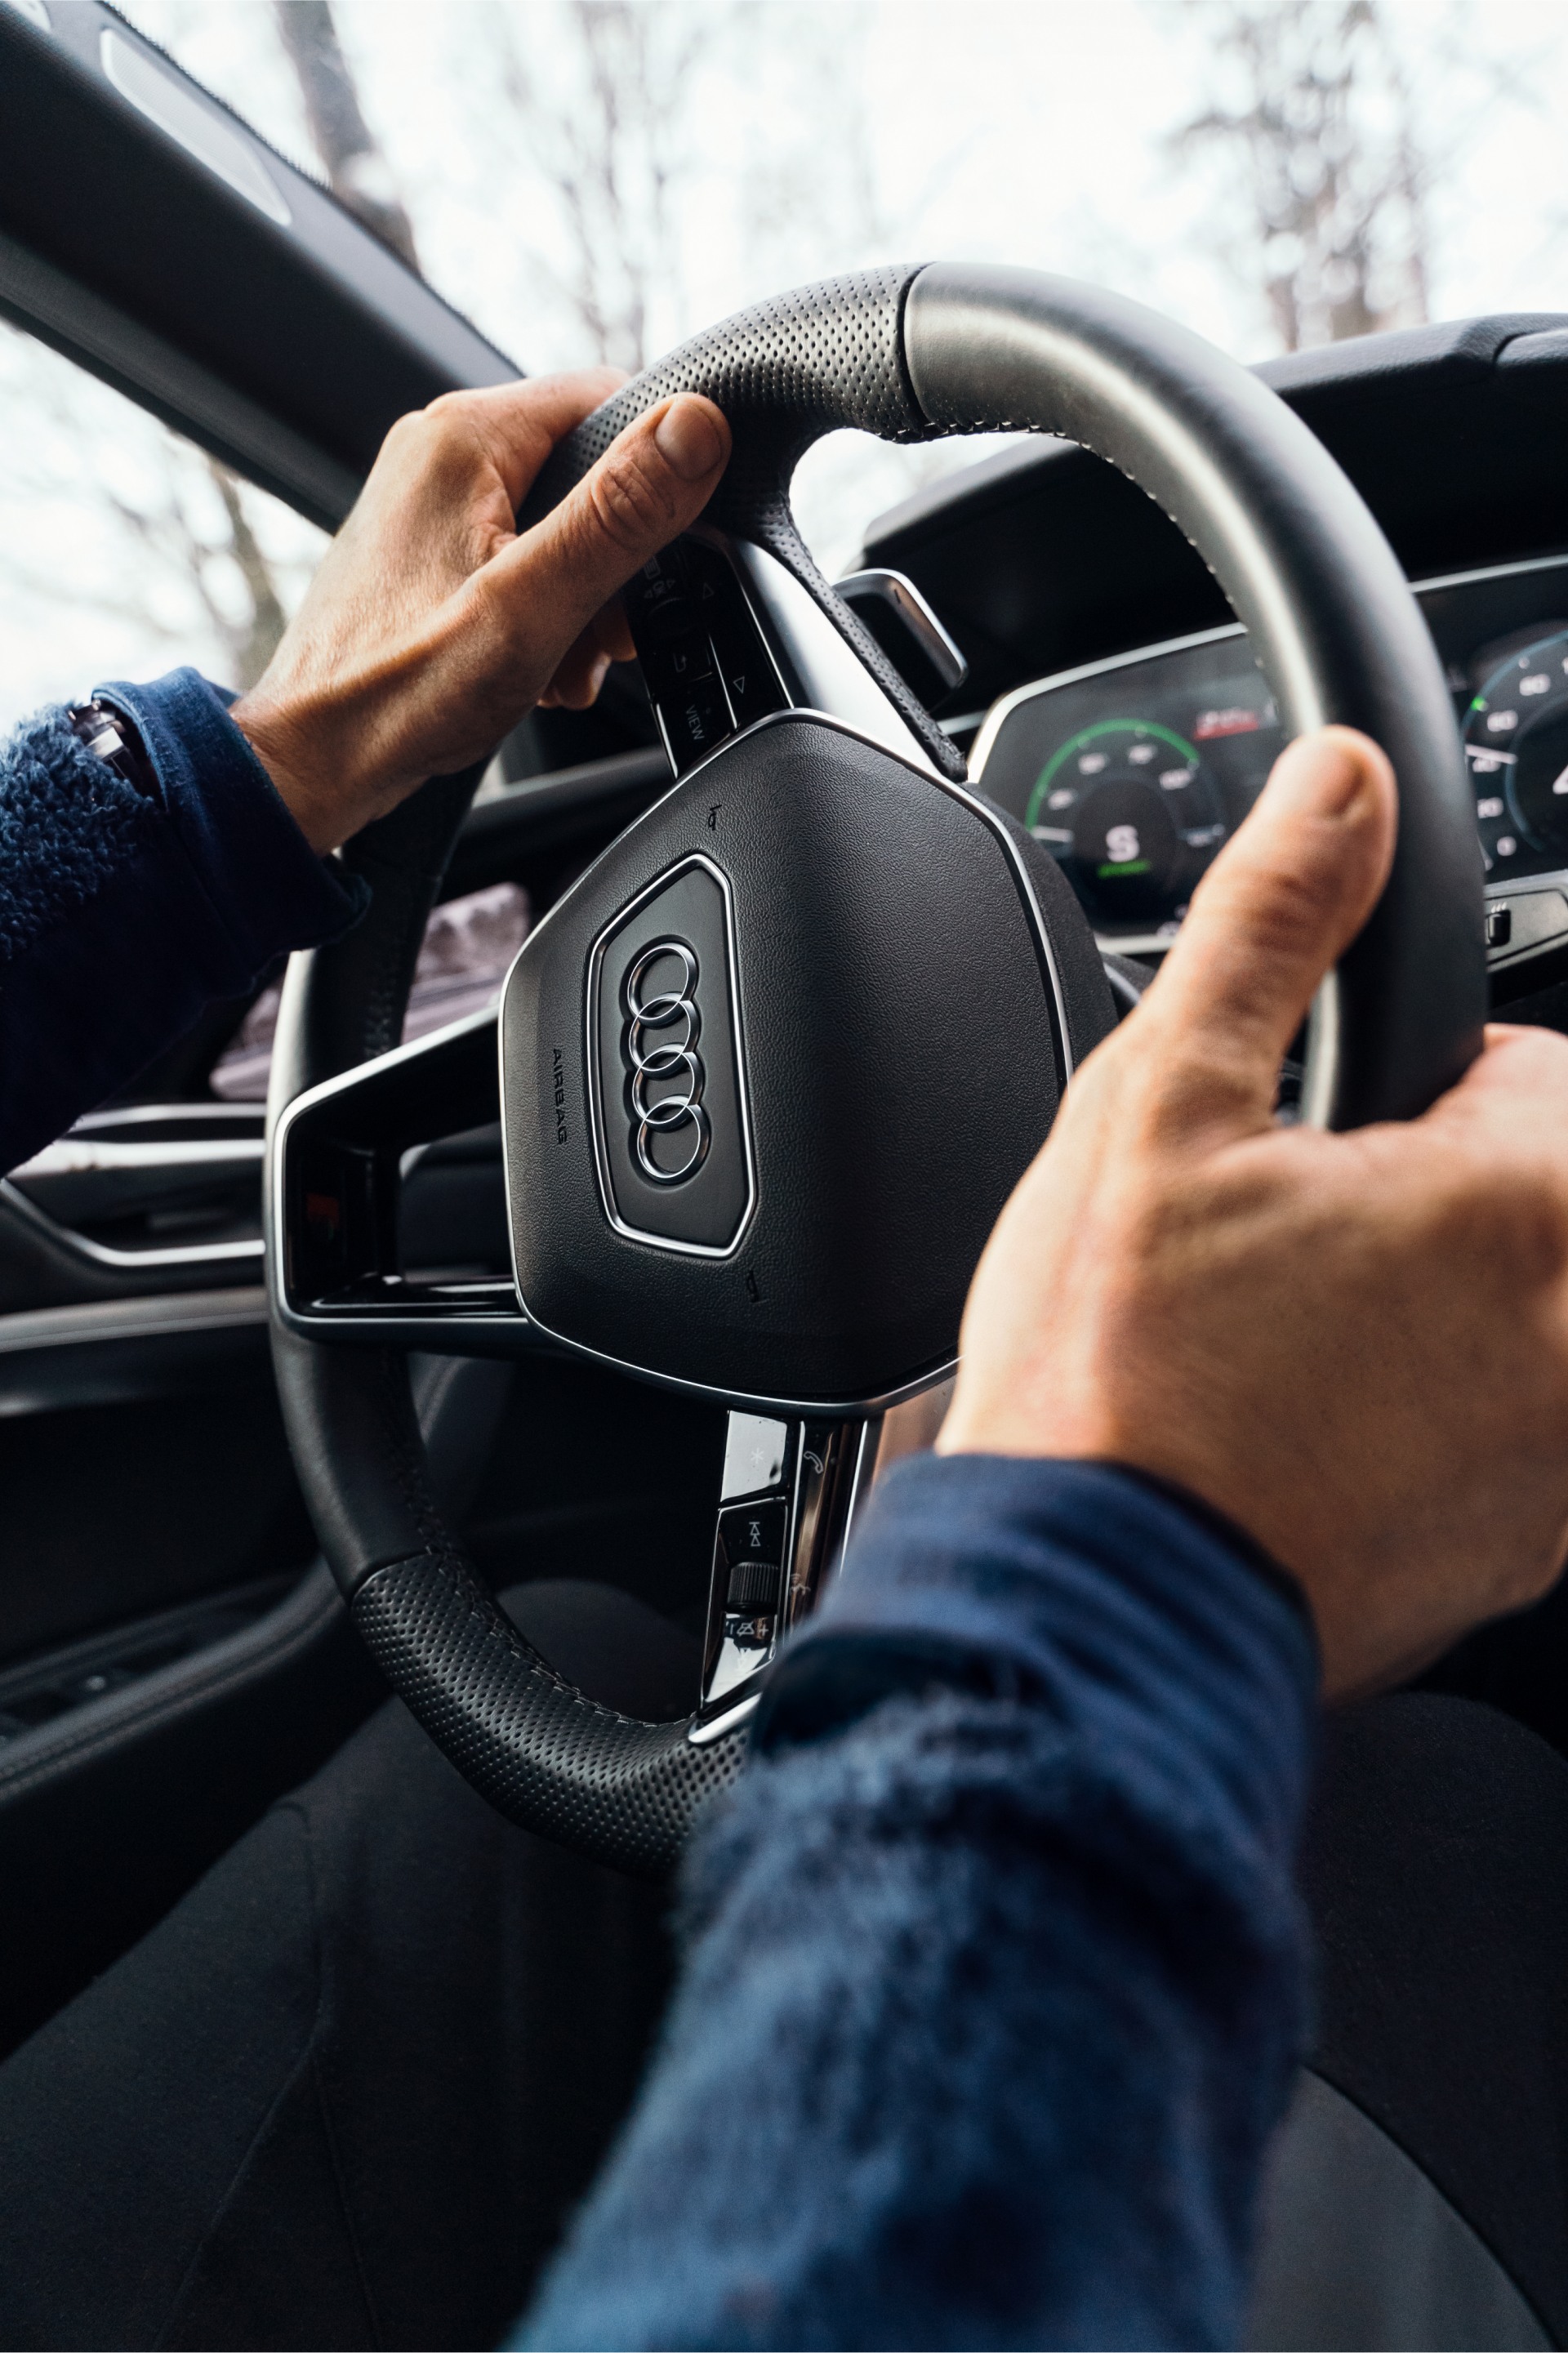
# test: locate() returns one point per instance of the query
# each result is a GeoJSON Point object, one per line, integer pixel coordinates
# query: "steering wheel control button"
{"type": "Point", "coordinates": [658, 596]}
{"type": "Point", "coordinates": [704, 660]}
{"type": "Point", "coordinates": [755, 1533]}
{"type": "Point", "coordinates": [749, 680]}
{"type": "Point", "coordinates": [754, 1450]}
{"type": "Point", "coordinates": [688, 662]}
{"type": "Point", "coordinates": [747, 1598]}
{"type": "Point", "coordinates": [696, 720]}
{"type": "Point", "coordinates": [751, 676]}
{"type": "Point", "coordinates": [772, 1554]}
{"type": "Point", "coordinates": [754, 1587]}
{"type": "Point", "coordinates": [669, 1106]}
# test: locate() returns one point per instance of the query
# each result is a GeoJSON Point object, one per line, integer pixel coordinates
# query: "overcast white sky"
{"type": "Point", "coordinates": [1032, 133]}
{"type": "Point", "coordinates": [1026, 131]}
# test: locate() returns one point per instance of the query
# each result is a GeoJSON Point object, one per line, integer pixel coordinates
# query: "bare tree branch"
{"type": "Point", "coordinates": [253, 648]}
{"type": "Point", "coordinates": [1327, 165]}
{"type": "Point", "coordinates": [357, 171]}
{"type": "Point", "coordinates": [614, 159]}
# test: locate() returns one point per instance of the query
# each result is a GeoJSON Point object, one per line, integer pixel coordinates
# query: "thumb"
{"type": "Point", "coordinates": [653, 481]}
{"type": "Point", "coordinates": [1280, 904]}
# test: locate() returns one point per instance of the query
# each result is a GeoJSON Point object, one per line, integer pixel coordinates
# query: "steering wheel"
{"type": "Point", "coordinates": [768, 1070]}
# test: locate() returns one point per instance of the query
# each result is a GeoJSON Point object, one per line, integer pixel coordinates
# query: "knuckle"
{"type": "Point", "coordinates": [448, 432]}
{"type": "Point", "coordinates": [624, 503]}
{"type": "Point", "coordinates": [405, 433]}
{"type": "Point", "coordinates": [1284, 907]}
{"type": "Point", "coordinates": [1509, 1212]}
{"type": "Point", "coordinates": [422, 443]}
{"type": "Point", "coordinates": [453, 406]}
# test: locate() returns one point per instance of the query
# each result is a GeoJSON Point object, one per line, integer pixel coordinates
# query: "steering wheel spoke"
{"type": "Point", "coordinates": [387, 1210]}
{"type": "Point", "coordinates": [790, 1493]}
{"type": "Point", "coordinates": [790, 1498]}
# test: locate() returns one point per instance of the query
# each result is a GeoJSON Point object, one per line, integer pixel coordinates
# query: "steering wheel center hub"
{"type": "Point", "coordinates": [771, 1068]}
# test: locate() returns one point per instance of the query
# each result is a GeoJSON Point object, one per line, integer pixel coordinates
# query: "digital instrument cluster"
{"type": "Point", "coordinates": [1516, 745]}
{"type": "Point", "coordinates": [1134, 772]}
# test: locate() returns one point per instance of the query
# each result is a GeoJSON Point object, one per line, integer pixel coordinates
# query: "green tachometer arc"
{"type": "Point", "coordinates": [1085, 735]}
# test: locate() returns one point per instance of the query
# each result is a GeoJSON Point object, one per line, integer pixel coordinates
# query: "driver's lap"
{"type": "Point", "coordinates": [349, 2090]}
{"type": "Point", "coordinates": [345, 2093]}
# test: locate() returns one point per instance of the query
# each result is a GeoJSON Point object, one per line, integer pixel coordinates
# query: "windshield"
{"type": "Point", "coordinates": [592, 180]}
{"type": "Point", "coordinates": [595, 179]}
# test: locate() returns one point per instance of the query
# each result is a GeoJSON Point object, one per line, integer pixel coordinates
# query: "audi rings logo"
{"type": "Point", "coordinates": [670, 1130]}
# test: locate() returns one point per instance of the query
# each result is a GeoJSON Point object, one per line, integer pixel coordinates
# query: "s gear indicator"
{"type": "Point", "coordinates": [1133, 814]}
{"type": "Point", "coordinates": [1133, 774]}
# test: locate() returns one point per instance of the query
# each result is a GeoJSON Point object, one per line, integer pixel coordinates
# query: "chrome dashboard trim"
{"type": "Point", "coordinates": [1003, 707]}
{"type": "Point", "coordinates": [95, 1148]}
{"type": "Point", "coordinates": [103, 1255]}
{"type": "Point", "coordinates": [1489, 572]}
{"type": "Point", "coordinates": [80, 1155]}
{"type": "Point", "coordinates": [147, 1315]}
{"type": "Point", "coordinates": [217, 1113]}
{"type": "Point", "coordinates": [451, 1332]}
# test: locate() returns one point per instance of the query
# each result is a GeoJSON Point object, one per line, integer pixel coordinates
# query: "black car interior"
{"type": "Point", "coordinates": [174, 1650]}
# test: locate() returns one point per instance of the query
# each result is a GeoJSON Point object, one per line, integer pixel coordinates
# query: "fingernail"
{"type": "Point", "coordinates": [1317, 773]}
{"type": "Point", "coordinates": [689, 439]}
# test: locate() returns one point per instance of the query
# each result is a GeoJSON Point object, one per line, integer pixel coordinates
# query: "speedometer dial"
{"type": "Point", "coordinates": [1516, 743]}
{"type": "Point", "coordinates": [1131, 810]}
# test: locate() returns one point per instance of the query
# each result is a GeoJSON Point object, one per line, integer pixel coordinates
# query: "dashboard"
{"type": "Point", "coordinates": [1134, 771]}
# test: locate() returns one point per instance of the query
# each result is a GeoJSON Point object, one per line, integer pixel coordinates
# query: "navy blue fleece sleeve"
{"type": "Point", "coordinates": [121, 914]}
{"type": "Point", "coordinates": [995, 1973]}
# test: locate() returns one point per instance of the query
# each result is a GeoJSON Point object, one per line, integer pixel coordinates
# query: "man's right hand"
{"type": "Point", "coordinates": [1354, 1345]}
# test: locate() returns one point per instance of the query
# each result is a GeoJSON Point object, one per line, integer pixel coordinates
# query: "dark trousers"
{"type": "Point", "coordinates": [348, 2093]}
{"type": "Point", "coordinates": [345, 2094]}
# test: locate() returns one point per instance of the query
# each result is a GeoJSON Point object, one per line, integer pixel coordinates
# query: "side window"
{"type": "Point", "coordinates": [124, 550]}
{"type": "Point", "coordinates": [469, 943]}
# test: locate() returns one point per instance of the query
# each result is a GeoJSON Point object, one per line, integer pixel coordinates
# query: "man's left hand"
{"type": "Point", "coordinates": [433, 626]}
